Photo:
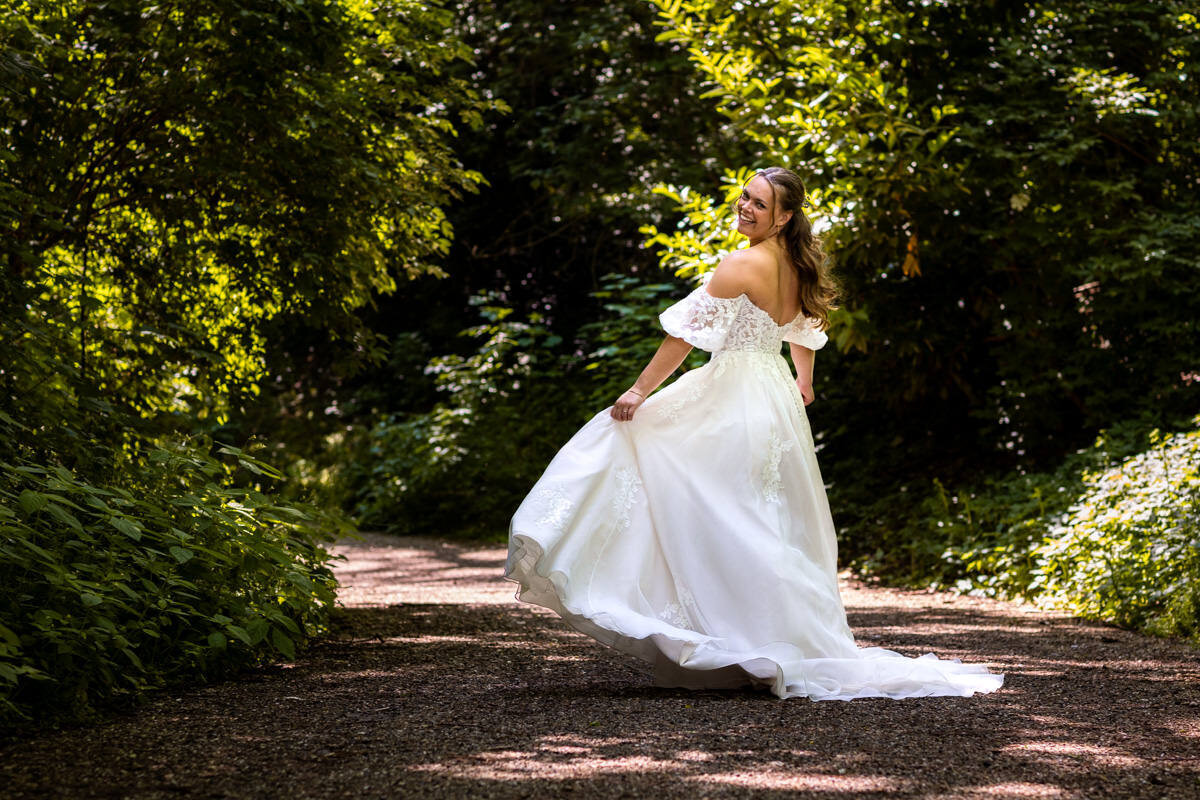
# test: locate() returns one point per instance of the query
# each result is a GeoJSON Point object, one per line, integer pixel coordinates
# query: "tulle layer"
{"type": "Point", "coordinates": [691, 660]}
{"type": "Point", "coordinates": [698, 537]}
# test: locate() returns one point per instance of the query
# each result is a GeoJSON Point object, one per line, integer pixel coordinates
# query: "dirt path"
{"type": "Point", "coordinates": [436, 684]}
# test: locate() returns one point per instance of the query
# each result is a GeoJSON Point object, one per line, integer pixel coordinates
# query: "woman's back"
{"type": "Point", "coordinates": [763, 273]}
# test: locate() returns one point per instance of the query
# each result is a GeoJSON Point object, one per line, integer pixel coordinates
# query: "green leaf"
{"type": "Point", "coordinates": [63, 516]}
{"type": "Point", "coordinates": [132, 656]}
{"type": "Point", "coordinates": [127, 526]}
{"type": "Point", "coordinates": [300, 580]}
{"type": "Point", "coordinates": [258, 629]}
{"type": "Point", "coordinates": [32, 502]}
{"type": "Point", "coordinates": [9, 636]}
{"type": "Point", "coordinates": [240, 633]}
{"type": "Point", "coordinates": [181, 554]}
{"type": "Point", "coordinates": [283, 643]}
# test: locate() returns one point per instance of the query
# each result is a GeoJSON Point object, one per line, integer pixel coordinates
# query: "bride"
{"type": "Point", "coordinates": [690, 527]}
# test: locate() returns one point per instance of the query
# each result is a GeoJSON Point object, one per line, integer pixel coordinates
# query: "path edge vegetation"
{"type": "Point", "coordinates": [176, 189]}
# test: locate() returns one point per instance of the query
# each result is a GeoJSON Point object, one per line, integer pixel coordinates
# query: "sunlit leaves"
{"type": "Point", "coordinates": [815, 96]}
{"type": "Point", "coordinates": [1128, 550]}
{"type": "Point", "coordinates": [196, 175]}
{"type": "Point", "coordinates": [1114, 534]}
{"type": "Point", "coordinates": [177, 184]}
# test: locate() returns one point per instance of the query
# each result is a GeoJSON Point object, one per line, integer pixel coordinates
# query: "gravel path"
{"type": "Point", "coordinates": [436, 684]}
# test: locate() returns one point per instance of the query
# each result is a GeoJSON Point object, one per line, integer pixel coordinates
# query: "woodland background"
{"type": "Point", "coordinates": [276, 269]}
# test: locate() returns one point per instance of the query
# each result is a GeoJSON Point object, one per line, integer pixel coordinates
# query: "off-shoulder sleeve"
{"type": "Point", "coordinates": [804, 331]}
{"type": "Point", "coordinates": [701, 319]}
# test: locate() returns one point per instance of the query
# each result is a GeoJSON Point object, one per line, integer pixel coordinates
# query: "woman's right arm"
{"type": "Point", "coordinates": [666, 360]}
{"type": "Point", "coordinates": [732, 278]}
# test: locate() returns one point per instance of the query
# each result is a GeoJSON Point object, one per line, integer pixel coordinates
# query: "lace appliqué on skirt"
{"type": "Point", "coordinates": [671, 410]}
{"type": "Point", "coordinates": [628, 485]}
{"type": "Point", "coordinates": [556, 507]}
{"type": "Point", "coordinates": [677, 613]}
{"type": "Point", "coordinates": [772, 481]}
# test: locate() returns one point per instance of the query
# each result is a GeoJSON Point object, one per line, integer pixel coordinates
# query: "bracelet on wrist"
{"type": "Point", "coordinates": [635, 391]}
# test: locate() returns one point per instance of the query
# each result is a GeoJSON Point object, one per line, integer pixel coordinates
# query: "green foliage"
{"type": "Point", "coordinates": [1113, 533]}
{"type": "Point", "coordinates": [601, 111]}
{"type": "Point", "coordinates": [1128, 549]}
{"type": "Point", "coordinates": [181, 191]}
{"type": "Point", "coordinates": [943, 530]}
{"type": "Point", "coordinates": [464, 460]}
{"type": "Point", "coordinates": [170, 570]}
{"type": "Point", "coordinates": [508, 407]}
{"type": "Point", "coordinates": [174, 181]}
{"type": "Point", "coordinates": [1004, 190]}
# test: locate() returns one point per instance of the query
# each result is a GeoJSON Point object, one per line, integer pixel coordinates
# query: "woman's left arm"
{"type": "Point", "coordinates": [803, 358]}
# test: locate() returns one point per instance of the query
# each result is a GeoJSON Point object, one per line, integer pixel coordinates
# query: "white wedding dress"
{"type": "Point", "coordinates": [697, 536]}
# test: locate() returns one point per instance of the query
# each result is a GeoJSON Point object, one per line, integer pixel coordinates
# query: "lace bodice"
{"type": "Point", "coordinates": [720, 324]}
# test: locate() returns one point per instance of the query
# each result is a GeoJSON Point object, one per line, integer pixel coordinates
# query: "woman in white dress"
{"type": "Point", "coordinates": [690, 527]}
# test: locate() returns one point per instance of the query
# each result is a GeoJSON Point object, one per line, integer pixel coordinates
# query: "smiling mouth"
{"type": "Point", "coordinates": [745, 219]}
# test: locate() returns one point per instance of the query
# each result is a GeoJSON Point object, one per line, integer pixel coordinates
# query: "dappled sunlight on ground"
{"type": "Point", "coordinates": [1089, 755]}
{"type": "Point", "coordinates": [563, 757]}
{"type": "Point", "coordinates": [1010, 790]}
{"type": "Point", "coordinates": [436, 683]}
{"type": "Point", "coordinates": [849, 785]}
{"type": "Point", "coordinates": [382, 573]}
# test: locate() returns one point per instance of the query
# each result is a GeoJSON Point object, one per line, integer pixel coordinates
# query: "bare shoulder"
{"type": "Point", "coordinates": [739, 273]}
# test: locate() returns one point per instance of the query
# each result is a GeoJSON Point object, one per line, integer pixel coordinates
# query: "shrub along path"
{"type": "Point", "coordinates": [436, 684]}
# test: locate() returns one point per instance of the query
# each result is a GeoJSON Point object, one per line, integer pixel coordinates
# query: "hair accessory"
{"type": "Point", "coordinates": [806, 203]}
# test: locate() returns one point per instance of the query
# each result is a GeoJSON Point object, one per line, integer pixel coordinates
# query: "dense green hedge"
{"type": "Point", "coordinates": [177, 568]}
{"type": "Point", "coordinates": [1112, 534]}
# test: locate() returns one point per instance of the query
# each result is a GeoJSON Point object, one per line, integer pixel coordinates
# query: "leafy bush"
{"type": "Point", "coordinates": [1112, 534]}
{"type": "Point", "coordinates": [938, 530]}
{"type": "Point", "coordinates": [462, 463]}
{"type": "Point", "coordinates": [1128, 549]}
{"type": "Point", "coordinates": [462, 467]}
{"type": "Point", "coordinates": [174, 569]}
{"type": "Point", "coordinates": [182, 194]}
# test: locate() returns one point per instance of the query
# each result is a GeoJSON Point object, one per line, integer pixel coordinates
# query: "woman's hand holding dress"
{"type": "Point", "coordinates": [667, 358]}
{"type": "Point", "coordinates": [622, 410]}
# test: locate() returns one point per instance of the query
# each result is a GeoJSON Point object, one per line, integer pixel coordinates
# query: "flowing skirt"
{"type": "Point", "coordinates": [698, 537]}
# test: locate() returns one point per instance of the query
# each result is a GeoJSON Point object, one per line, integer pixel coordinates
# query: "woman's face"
{"type": "Point", "coordinates": [756, 210]}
